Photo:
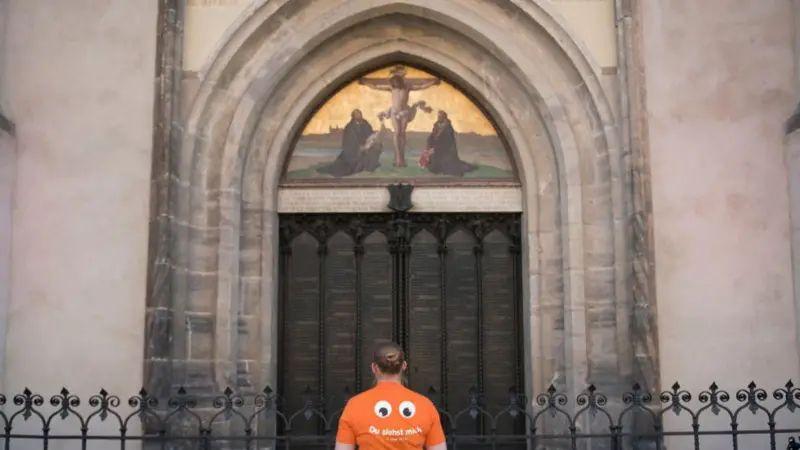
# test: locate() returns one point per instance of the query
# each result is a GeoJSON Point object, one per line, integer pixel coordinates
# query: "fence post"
{"type": "Point", "coordinates": [206, 434]}
{"type": "Point", "coordinates": [8, 436]}
{"type": "Point", "coordinates": [84, 432]}
{"type": "Point", "coordinates": [45, 434]}
{"type": "Point", "coordinates": [615, 437]}
{"type": "Point", "coordinates": [771, 424]}
{"type": "Point", "coordinates": [659, 429]}
{"type": "Point", "coordinates": [573, 439]}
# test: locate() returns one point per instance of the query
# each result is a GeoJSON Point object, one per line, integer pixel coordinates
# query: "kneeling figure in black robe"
{"type": "Point", "coordinates": [444, 156]}
{"type": "Point", "coordinates": [357, 153]}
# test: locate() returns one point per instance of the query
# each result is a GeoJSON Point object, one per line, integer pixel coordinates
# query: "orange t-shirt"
{"type": "Point", "coordinates": [390, 417]}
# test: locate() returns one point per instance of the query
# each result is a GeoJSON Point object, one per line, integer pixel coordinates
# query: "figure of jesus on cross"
{"type": "Point", "coordinates": [400, 112]}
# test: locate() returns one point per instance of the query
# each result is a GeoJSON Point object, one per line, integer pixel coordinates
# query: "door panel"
{"type": "Point", "coordinates": [424, 313]}
{"type": "Point", "coordinates": [375, 302]}
{"type": "Point", "coordinates": [445, 286]}
{"type": "Point", "coordinates": [499, 323]}
{"type": "Point", "coordinates": [340, 316]}
{"type": "Point", "coordinates": [462, 323]}
{"type": "Point", "coordinates": [301, 330]}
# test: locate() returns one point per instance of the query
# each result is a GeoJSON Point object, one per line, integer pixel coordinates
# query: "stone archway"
{"type": "Point", "coordinates": [211, 314]}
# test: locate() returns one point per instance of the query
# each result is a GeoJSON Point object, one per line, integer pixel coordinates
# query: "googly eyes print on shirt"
{"type": "Point", "coordinates": [407, 409]}
{"type": "Point", "coordinates": [382, 409]}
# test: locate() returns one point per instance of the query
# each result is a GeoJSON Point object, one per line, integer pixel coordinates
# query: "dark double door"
{"type": "Point", "coordinates": [444, 286]}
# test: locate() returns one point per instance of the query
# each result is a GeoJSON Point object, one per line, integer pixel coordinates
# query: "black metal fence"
{"type": "Point", "coordinates": [715, 419]}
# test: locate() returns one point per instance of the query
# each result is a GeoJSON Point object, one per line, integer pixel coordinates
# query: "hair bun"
{"type": "Point", "coordinates": [389, 358]}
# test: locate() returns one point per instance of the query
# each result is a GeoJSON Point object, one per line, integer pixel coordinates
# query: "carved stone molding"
{"type": "Point", "coordinates": [166, 139]}
{"type": "Point", "coordinates": [633, 118]}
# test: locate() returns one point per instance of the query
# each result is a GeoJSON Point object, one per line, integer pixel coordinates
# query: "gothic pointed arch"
{"type": "Point", "coordinates": [217, 264]}
{"type": "Point", "coordinates": [399, 123]}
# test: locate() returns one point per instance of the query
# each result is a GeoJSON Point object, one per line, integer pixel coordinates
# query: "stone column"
{"type": "Point", "coordinates": [792, 160]}
{"type": "Point", "coordinates": [7, 166]}
{"type": "Point", "coordinates": [633, 126]}
{"type": "Point", "coordinates": [160, 315]}
{"type": "Point", "coordinates": [7, 171]}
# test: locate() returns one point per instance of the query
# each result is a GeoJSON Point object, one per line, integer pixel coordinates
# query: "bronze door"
{"type": "Point", "coordinates": [444, 286]}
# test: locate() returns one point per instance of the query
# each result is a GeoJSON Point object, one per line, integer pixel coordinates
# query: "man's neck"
{"type": "Point", "coordinates": [397, 380]}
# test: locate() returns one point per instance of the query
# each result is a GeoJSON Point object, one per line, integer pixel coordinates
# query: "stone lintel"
{"type": "Point", "coordinates": [425, 199]}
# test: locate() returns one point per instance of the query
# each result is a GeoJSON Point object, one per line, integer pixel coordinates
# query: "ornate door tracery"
{"type": "Point", "coordinates": [447, 287]}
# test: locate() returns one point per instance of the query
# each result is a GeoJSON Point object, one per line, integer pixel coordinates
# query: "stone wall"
{"type": "Point", "coordinates": [8, 155]}
{"type": "Point", "coordinates": [792, 159]}
{"type": "Point", "coordinates": [83, 110]}
{"type": "Point", "coordinates": [211, 305]}
{"type": "Point", "coordinates": [208, 23]}
{"type": "Point", "coordinates": [3, 40]}
{"type": "Point", "coordinates": [719, 89]}
{"type": "Point", "coordinates": [78, 82]}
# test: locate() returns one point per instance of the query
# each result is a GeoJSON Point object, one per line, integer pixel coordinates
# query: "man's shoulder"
{"type": "Point", "coordinates": [358, 397]}
{"type": "Point", "coordinates": [425, 400]}
{"type": "Point", "coordinates": [369, 395]}
{"type": "Point", "coordinates": [419, 399]}
{"type": "Point", "coordinates": [364, 396]}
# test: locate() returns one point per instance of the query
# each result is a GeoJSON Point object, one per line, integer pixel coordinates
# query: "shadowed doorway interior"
{"type": "Point", "coordinates": [445, 286]}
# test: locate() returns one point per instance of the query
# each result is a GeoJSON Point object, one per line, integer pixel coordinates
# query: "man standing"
{"type": "Point", "coordinates": [400, 112]}
{"type": "Point", "coordinates": [390, 416]}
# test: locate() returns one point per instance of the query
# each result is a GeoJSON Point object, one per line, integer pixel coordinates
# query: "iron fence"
{"type": "Point", "coordinates": [636, 419]}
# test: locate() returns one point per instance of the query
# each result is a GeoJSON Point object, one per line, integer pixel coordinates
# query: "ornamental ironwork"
{"type": "Point", "coordinates": [637, 419]}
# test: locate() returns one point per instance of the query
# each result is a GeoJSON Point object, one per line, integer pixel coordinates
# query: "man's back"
{"type": "Point", "coordinates": [390, 417]}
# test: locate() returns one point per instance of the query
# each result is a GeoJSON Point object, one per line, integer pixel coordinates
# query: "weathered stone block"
{"type": "Point", "coordinates": [158, 331]}
{"type": "Point", "coordinates": [158, 377]}
{"type": "Point", "coordinates": [202, 291]}
{"type": "Point", "coordinates": [200, 336]}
